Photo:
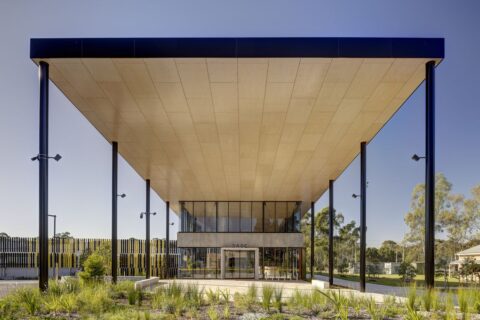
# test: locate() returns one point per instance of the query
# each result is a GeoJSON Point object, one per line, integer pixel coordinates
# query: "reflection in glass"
{"type": "Point", "coordinates": [269, 217]}
{"type": "Point", "coordinates": [210, 217]}
{"type": "Point", "coordinates": [246, 217]}
{"type": "Point", "coordinates": [222, 216]}
{"type": "Point", "coordinates": [281, 215]}
{"type": "Point", "coordinates": [257, 217]}
{"type": "Point", "coordinates": [275, 263]}
{"type": "Point", "coordinates": [234, 217]}
{"type": "Point", "coordinates": [199, 209]}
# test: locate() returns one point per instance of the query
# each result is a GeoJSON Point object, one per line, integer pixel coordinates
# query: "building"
{"type": "Point", "coordinates": [462, 257]}
{"type": "Point", "coordinates": [240, 136]}
{"type": "Point", "coordinates": [241, 239]}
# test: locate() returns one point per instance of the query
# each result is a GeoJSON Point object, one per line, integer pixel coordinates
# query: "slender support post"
{"type": "Point", "coordinates": [147, 240]}
{"type": "Point", "coordinates": [55, 265]}
{"type": "Point", "coordinates": [54, 246]}
{"type": "Point", "coordinates": [43, 179]}
{"type": "Point", "coordinates": [363, 212]}
{"type": "Point", "coordinates": [331, 217]}
{"type": "Point", "coordinates": [312, 239]}
{"type": "Point", "coordinates": [167, 241]}
{"type": "Point", "coordinates": [430, 175]}
{"type": "Point", "coordinates": [114, 209]}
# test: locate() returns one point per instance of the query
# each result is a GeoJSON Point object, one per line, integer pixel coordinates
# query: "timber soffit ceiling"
{"type": "Point", "coordinates": [238, 118]}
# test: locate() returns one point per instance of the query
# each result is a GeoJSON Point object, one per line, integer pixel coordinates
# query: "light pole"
{"type": "Point", "coordinates": [147, 214]}
{"type": "Point", "coordinates": [43, 157]}
{"type": "Point", "coordinates": [54, 249]}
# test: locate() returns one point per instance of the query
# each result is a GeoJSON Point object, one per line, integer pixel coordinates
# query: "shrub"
{"type": "Point", "coordinates": [463, 300]}
{"type": "Point", "coordinates": [94, 268]}
{"type": "Point", "coordinates": [278, 294]}
{"type": "Point", "coordinates": [30, 299]}
{"type": "Point", "coordinates": [71, 285]}
{"type": "Point", "coordinates": [9, 308]}
{"type": "Point", "coordinates": [94, 299]}
{"type": "Point", "coordinates": [267, 294]}
{"type": "Point", "coordinates": [174, 289]}
{"type": "Point", "coordinates": [225, 296]}
{"type": "Point", "coordinates": [121, 289]}
{"type": "Point", "coordinates": [132, 296]}
{"type": "Point", "coordinates": [411, 298]}
{"type": "Point", "coordinates": [213, 296]}
{"type": "Point", "coordinates": [226, 312]}
{"type": "Point", "coordinates": [373, 310]}
{"type": "Point", "coordinates": [336, 299]}
{"type": "Point", "coordinates": [68, 303]}
{"type": "Point", "coordinates": [193, 296]}
{"type": "Point", "coordinates": [407, 272]}
{"type": "Point", "coordinates": [390, 308]}
{"type": "Point", "coordinates": [170, 306]}
{"type": "Point", "coordinates": [212, 313]}
{"type": "Point", "coordinates": [251, 295]}
{"type": "Point", "coordinates": [476, 300]}
{"type": "Point", "coordinates": [430, 300]}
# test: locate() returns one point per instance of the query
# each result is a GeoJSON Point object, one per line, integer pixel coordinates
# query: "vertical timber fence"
{"type": "Point", "coordinates": [22, 253]}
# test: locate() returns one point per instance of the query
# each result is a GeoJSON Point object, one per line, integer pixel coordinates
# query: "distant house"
{"type": "Point", "coordinates": [461, 257]}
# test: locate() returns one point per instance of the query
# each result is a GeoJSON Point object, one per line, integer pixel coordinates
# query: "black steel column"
{"type": "Point", "coordinates": [312, 239]}
{"type": "Point", "coordinates": [147, 240]}
{"type": "Point", "coordinates": [331, 217]}
{"type": "Point", "coordinates": [43, 179]}
{"type": "Point", "coordinates": [363, 212]}
{"type": "Point", "coordinates": [114, 209]}
{"type": "Point", "coordinates": [167, 241]}
{"type": "Point", "coordinates": [430, 175]}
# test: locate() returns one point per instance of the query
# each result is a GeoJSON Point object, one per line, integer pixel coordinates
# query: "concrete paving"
{"type": "Point", "coordinates": [7, 286]}
{"type": "Point", "coordinates": [370, 287]}
{"type": "Point", "coordinates": [241, 286]}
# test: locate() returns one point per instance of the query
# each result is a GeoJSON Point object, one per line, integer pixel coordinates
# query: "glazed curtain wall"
{"type": "Point", "coordinates": [240, 216]}
{"type": "Point", "coordinates": [275, 263]}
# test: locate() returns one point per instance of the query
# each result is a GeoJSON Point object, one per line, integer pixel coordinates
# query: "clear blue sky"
{"type": "Point", "coordinates": [80, 183]}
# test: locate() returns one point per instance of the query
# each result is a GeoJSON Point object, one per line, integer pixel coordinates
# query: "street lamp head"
{"type": "Point", "coordinates": [34, 158]}
{"type": "Point", "coordinates": [355, 196]}
{"type": "Point", "coordinates": [57, 157]}
{"type": "Point", "coordinates": [416, 157]}
{"type": "Point", "coordinates": [171, 223]}
{"type": "Point", "coordinates": [154, 213]}
{"type": "Point", "coordinates": [123, 195]}
{"type": "Point", "coordinates": [141, 215]}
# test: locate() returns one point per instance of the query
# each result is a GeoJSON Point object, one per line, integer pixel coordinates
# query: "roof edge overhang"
{"type": "Point", "coordinates": [237, 47]}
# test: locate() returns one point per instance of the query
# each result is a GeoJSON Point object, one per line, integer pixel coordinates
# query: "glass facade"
{"type": "Point", "coordinates": [274, 263]}
{"type": "Point", "coordinates": [200, 263]}
{"type": "Point", "coordinates": [240, 216]}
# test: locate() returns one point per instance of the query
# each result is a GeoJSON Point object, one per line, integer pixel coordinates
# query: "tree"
{"type": "Point", "coordinates": [407, 271]}
{"type": "Point", "coordinates": [373, 270]}
{"type": "Point", "coordinates": [415, 218]}
{"type": "Point", "coordinates": [348, 242]}
{"type": "Point", "coordinates": [64, 235]}
{"type": "Point", "coordinates": [321, 235]}
{"type": "Point", "coordinates": [373, 254]}
{"type": "Point", "coordinates": [389, 251]}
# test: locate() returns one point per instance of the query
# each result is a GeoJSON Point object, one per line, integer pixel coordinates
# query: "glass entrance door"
{"type": "Point", "coordinates": [239, 264]}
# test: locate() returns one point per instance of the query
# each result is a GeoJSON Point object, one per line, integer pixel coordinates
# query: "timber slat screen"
{"type": "Point", "coordinates": [16, 252]}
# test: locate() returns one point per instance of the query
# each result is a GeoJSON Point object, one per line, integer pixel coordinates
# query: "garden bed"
{"type": "Point", "coordinates": [75, 299]}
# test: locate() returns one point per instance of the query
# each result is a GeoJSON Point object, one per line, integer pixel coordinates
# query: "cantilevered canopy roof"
{"type": "Point", "coordinates": [238, 119]}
